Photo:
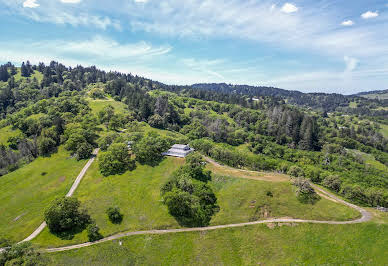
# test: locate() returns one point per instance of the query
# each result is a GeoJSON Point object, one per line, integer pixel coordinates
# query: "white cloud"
{"type": "Point", "coordinates": [141, 1]}
{"type": "Point", "coordinates": [370, 14]}
{"type": "Point", "coordinates": [289, 8]}
{"type": "Point", "coordinates": [347, 23]}
{"type": "Point", "coordinates": [71, 1]}
{"type": "Point", "coordinates": [351, 63]}
{"type": "Point", "coordinates": [30, 4]}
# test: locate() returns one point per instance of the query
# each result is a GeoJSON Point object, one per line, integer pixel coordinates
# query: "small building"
{"type": "Point", "coordinates": [179, 150]}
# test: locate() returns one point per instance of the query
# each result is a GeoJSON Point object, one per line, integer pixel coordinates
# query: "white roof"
{"type": "Point", "coordinates": [180, 146]}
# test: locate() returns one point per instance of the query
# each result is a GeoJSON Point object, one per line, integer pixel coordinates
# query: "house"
{"type": "Point", "coordinates": [179, 150]}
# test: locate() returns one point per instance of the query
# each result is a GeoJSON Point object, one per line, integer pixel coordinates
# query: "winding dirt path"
{"type": "Point", "coordinates": [69, 194]}
{"type": "Point", "coordinates": [365, 216]}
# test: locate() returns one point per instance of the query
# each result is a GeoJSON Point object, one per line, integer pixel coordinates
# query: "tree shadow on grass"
{"type": "Point", "coordinates": [69, 234]}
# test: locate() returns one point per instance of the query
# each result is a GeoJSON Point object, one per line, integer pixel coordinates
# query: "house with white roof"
{"type": "Point", "coordinates": [179, 150]}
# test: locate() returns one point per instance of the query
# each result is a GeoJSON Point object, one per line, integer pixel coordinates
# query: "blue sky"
{"type": "Point", "coordinates": [312, 46]}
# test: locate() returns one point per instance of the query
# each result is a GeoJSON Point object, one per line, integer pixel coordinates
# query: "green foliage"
{"type": "Point", "coordinates": [46, 145]}
{"type": "Point", "coordinates": [150, 148]}
{"type": "Point", "coordinates": [65, 215]}
{"type": "Point", "coordinates": [116, 160]}
{"type": "Point", "coordinates": [114, 215]}
{"type": "Point", "coordinates": [333, 182]}
{"type": "Point", "coordinates": [195, 167]}
{"type": "Point", "coordinates": [190, 201]}
{"type": "Point", "coordinates": [93, 232]}
{"type": "Point", "coordinates": [105, 141]}
{"type": "Point", "coordinates": [305, 192]}
{"type": "Point", "coordinates": [295, 171]}
{"type": "Point", "coordinates": [22, 254]}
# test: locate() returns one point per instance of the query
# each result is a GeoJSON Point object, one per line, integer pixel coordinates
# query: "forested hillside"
{"type": "Point", "coordinates": [334, 140]}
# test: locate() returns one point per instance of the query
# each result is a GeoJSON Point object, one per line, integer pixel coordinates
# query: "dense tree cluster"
{"type": "Point", "coordinates": [191, 201]}
{"type": "Point", "coordinates": [116, 160]}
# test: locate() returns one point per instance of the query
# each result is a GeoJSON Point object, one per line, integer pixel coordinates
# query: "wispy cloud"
{"type": "Point", "coordinates": [30, 4]}
{"type": "Point", "coordinates": [95, 50]}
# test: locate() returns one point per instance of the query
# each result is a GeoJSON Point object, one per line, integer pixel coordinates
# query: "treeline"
{"type": "Point", "coordinates": [43, 127]}
{"type": "Point", "coordinates": [334, 168]}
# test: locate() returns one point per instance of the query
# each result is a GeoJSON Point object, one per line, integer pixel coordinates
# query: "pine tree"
{"type": "Point", "coordinates": [24, 70]}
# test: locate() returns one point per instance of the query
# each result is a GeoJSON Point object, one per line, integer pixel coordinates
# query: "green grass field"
{"type": "Point", "coordinates": [26, 192]}
{"type": "Point", "coordinates": [369, 159]}
{"type": "Point", "coordinates": [137, 194]}
{"type": "Point", "coordinates": [7, 132]}
{"type": "Point", "coordinates": [98, 105]}
{"type": "Point", "coordinates": [384, 130]}
{"type": "Point", "coordinates": [36, 74]}
{"type": "Point", "coordinates": [302, 244]}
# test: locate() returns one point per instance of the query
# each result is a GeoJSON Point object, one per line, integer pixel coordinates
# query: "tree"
{"type": "Point", "coordinates": [295, 171]}
{"type": "Point", "coordinates": [190, 201]}
{"type": "Point", "coordinates": [84, 150]}
{"type": "Point", "coordinates": [46, 145]}
{"type": "Point", "coordinates": [333, 182]}
{"type": "Point", "coordinates": [116, 160]}
{"type": "Point", "coordinates": [305, 192]}
{"type": "Point", "coordinates": [64, 214]}
{"type": "Point", "coordinates": [195, 167]}
{"type": "Point", "coordinates": [24, 70]}
{"type": "Point", "coordinates": [93, 232]}
{"type": "Point", "coordinates": [114, 215]}
{"type": "Point", "coordinates": [22, 254]}
{"type": "Point", "coordinates": [4, 75]}
{"type": "Point", "coordinates": [150, 148]}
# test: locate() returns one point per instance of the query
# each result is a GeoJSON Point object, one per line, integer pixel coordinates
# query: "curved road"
{"type": "Point", "coordinates": [365, 216]}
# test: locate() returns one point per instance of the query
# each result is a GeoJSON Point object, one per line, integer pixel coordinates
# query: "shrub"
{"type": "Point", "coordinates": [93, 232]}
{"type": "Point", "coordinates": [114, 215]}
{"type": "Point", "coordinates": [296, 171]}
{"type": "Point", "coordinates": [305, 192]}
{"type": "Point", "coordinates": [332, 182]}
{"type": "Point", "coordinates": [22, 254]}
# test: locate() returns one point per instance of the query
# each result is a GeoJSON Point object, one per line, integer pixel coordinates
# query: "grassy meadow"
{"type": "Point", "coordinates": [26, 192]}
{"type": "Point", "coordinates": [137, 194]}
{"type": "Point", "coordinates": [290, 244]}
{"type": "Point", "coordinates": [7, 132]}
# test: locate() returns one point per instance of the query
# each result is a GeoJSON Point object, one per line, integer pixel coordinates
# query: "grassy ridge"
{"type": "Point", "coordinates": [26, 192]}
{"type": "Point", "coordinates": [307, 244]}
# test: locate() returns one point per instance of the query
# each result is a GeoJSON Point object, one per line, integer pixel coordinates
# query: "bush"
{"type": "Point", "coordinates": [296, 171]}
{"type": "Point", "coordinates": [305, 192]}
{"type": "Point", "coordinates": [84, 151]}
{"type": "Point", "coordinates": [332, 182]}
{"type": "Point", "coordinates": [114, 215]}
{"type": "Point", "coordinates": [22, 254]}
{"type": "Point", "coordinates": [93, 232]}
{"type": "Point", "coordinates": [64, 214]}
